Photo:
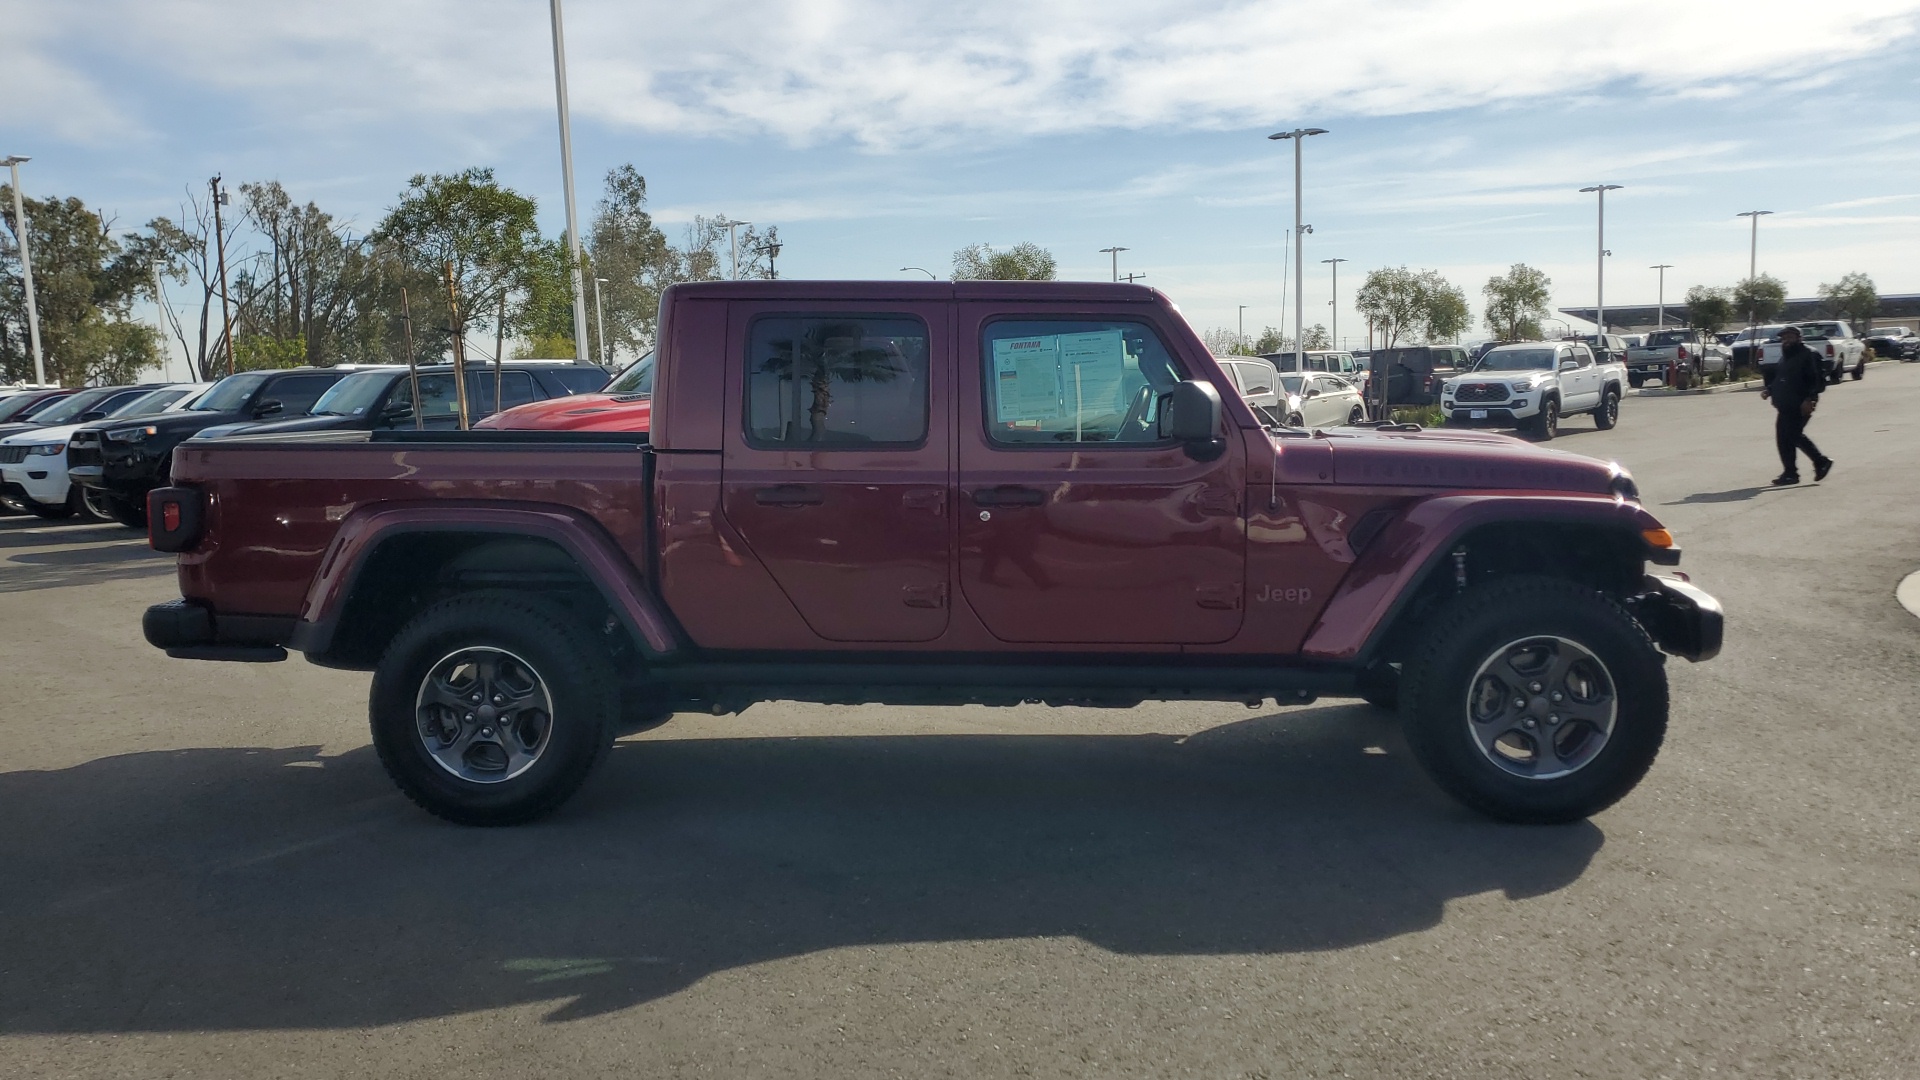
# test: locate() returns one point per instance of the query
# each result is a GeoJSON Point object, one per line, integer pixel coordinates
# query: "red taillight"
{"type": "Point", "coordinates": [170, 517]}
{"type": "Point", "coordinates": [1829, 348]}
{"type": "Point", "coordinates": [1683, 352]}
{"type": "Point", "coordinates": [176, 516]}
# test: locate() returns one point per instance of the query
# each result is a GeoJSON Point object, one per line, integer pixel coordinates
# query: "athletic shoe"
{"type": "Point", "coordinates": [1786, 478]}
{"type": "Point", "coordinates": [1821, 470]}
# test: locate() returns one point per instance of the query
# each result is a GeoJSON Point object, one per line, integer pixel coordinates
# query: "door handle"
{"type": "Point", "coordinates": [1009, 495]}
{"type": "Point", "coordinates": [789, 495]}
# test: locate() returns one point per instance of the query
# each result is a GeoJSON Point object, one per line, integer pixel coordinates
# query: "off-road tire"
{"type": "Point", "coordinates": [1608, 414]}
{"type": "Point", "coordinates": [1379, 685]}
{"type": "Point", "coordinates": [1547, 424]}
{"type": "Point", "coordinates": [565, 655]}
{"type": "Point", "coordinates": [1437, 680]}
{"type": "Point", "coordinates": [132, 515]}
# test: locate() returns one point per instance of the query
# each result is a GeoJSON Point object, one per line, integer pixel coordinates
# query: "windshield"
{"type": "Point", "coordinates": [231, 392]}
{"type": "Point", "coordinates": [1669, 337]}
{"type": "Point", "coordinates": [353, 395]}
{"type": "Point", "coordinates": [22, 406]}
{"type": "Point", "coordinates": [1890, 331]}
{"type": "Point", "coordinates": [637, 379]}
{"type": "Point", "coordinates": [1516, 360]}
{"type": "Point", "coordinates": [151, 402]}
{"type": "Point", "coordinates": [1295, 384]}
{"type": "Point", "coordinates": [73, 406]}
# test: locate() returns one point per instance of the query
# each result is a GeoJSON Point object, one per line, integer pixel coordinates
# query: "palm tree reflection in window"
{"type": "Point", "coordinates": [825, 355]}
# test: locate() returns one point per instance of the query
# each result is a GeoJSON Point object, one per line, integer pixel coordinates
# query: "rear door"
{"type": "Point", "coordinates": [837, 468]}
{"type": "Point", "coordinates": [1078, 523]}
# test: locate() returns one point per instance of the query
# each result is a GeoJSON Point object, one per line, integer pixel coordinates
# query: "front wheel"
{"type": "Point", "coordinates": [1547, 424]}
{"type": "Point", "coordinates": [131, 514]}
{"type": "Point", "coordinates": [1535, 700]}
{"type": "Point", "coordinates": [493, 708]}
{"type": "Point", "coordinates": [1608, 414]}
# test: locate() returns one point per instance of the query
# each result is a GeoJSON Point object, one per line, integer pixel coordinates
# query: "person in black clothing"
{"type": "Point", "coordinates": [1795, 389]}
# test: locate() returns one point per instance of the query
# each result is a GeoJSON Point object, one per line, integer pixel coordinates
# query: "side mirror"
{"type": "Point", "coordinates": [91, 414]}
{"type": "Point", "coordinates": [1312, 392]}
{"type": "Point", "coordinates": [1191, 414]}
{"type": "Point", "coordinates": [398, 410]}
{"type": "Point", "coordinates": [269, 407]}
{"type": "Point", "coordinates": [1569, 365]}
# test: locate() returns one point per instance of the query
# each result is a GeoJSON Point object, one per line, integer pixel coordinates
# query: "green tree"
{"type": "Point", "coordinates": [1761, 298]}
{"type": "Point", "coordinates": [1315, 337]}
{"type": "Point", "coordinates": [633, 256]}
{"type": "Point", "coordinates": [1516, 302]}
{"type": "Point", "coordinates": [1024, 261]}
{"type": "Point", "coordinates": [1271, 340]}
{"type": "Point", "coordinates": [1422, 306]}
{"type": "Point", "coordinates": [85, 282]}
{"type": "Point", "coordinates": [480, 241]}
{"type": "Point", "coordinates": [1709, 309]}
{"type": "Point", "coordinates": [1854, 299]}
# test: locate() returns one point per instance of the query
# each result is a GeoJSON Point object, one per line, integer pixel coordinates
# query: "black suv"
{"type": "Point", "coordinates": [125, 459]}
{"type": "Point", "coordinates": [382, 397]}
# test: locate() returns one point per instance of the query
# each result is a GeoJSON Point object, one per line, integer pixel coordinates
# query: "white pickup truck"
{"type": "Point", "coordinates": [1679, 358]}
{"type": "Point", "coordinates": [1530, 385]}
{"type": "Point", "coordinates": [1835, 341]}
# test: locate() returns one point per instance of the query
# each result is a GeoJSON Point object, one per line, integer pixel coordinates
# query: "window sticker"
{"type": "Point", "coordinates": [1058, 377]}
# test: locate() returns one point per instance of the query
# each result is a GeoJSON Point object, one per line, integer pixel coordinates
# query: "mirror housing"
{"type": "Point", "coordinates": [1312, 392]}
{"type": "Point", "coordinates": [1191, 414]}
{"type": "Point", "coordinates": [269, 407]}
{"type": "Point", "coordinates": [1569, 365]}
{"type": "Point", "coordinates": [397, 410]}
{"type": "Point", "coordinates": [91, 414]}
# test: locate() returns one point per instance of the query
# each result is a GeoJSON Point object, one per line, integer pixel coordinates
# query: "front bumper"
{"type": "Point", "coordinates": [42, 479]}
{"type": "Point", "coordinates": [1681, 618]}
{"type": "Point", "coordinates": [190, 631]}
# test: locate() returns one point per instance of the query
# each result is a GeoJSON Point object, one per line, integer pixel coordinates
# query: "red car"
{"type": "Point", "coordinates": [932, 493]}
{"type": "Point", "coordinates": [626, 404]}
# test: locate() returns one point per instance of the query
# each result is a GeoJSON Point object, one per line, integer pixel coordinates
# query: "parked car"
{"type": "Point", "coordinates": [937, 493]}
{"type": "Point", "coordinates": [382, 397]}
{"type": "Point", "coordinates": [1893, 343]}
{"type": "Point", "coordinates": [1414, 373]}
{"type": "Point", "coordinates": [1607, 348]}
{"type": "Point", "coordinates": [625, 404]}
{"type": "Point", "coordinates": [1833, 340]}
{"type": "Point", "coordinates": [1532, 385]}
{"type": "Point", "coordinates": [91, 403]}
{"type": "Point", "coordinates": [1680, 358]}
{"type": "Point", "coordinates": [120, 462]}
{"type": "Point", "coordinates": [33, 464]}
{"type": "Point", "coordinates": [23, 405]}
{"type": "Point", "coordinates": [1294, 400]}
{"type": "Point", "coordinates": [1633, 341]}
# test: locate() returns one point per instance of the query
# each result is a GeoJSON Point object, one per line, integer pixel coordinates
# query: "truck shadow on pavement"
{"type": "Point", "coordinates": [242, 889]}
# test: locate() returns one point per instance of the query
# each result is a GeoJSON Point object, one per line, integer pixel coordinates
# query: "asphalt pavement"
{"type": "Point", "coordinates": [203, 871]}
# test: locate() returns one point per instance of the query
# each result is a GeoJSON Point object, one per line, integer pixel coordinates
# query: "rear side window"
{"type": "Point", "coordinates": [515, 386]}
{"type": "Point", "coordinates": [1069, 381]}
{"type": "Point", "coordinates": [297, 393]}
{"type": "Point", "coordinates": [836, 380]}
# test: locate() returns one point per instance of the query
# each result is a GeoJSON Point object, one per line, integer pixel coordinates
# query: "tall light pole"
{"type": "Point", "coordinates": [14, 161]}
{"type": "Point", "coordinates": [1300, 229]}
{"type": "Point", "coordinates": [1242, 340]}
{"type": "Point", "coordinates": [1334, 331]}
{"type": "Point", "coordinates": [220, 245]}
{"type": "Point", "coordinates": [931, 276]}
{"type": "Point", "coordinates": [1660, 318]}
{"type": "Point", "coordinates": [1753, 245]}
{"type": "Point", "coordinates": [600, 318]}
{"type": "Point", "coordinates": [1115, 252]}
{"type": "Point", "coordinates": [733, 247]}
{"type": "Point", "coordinates": [1600, 258]}
{"type": "Point", "coordinates": [566, 182]}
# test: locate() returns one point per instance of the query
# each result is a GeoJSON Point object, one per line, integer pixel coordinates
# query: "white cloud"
{"type": "Point", "coordinates": [891, 74]}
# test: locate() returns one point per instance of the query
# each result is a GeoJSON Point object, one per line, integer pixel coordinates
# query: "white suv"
{"type": "Point", "coordinates": [1531, 385]}
{"type": "Point", "coordinates": [33, 464]}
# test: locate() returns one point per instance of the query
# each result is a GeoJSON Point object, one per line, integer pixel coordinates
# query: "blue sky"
{"type": "Point", "coordinates": [877, 135]}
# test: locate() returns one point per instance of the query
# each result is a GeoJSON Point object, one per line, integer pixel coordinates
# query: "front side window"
{"type": "Point", "coordinates": [298, 393]}
{"type": "Point", "coordinates": [231, 392]}
{"type": "Point", "coordinates": [1074, 381]}
{"type": "Point", "coordinates": [837, 381]}
{"type": "Point", "coordinates": [438, 400]}
{"type": "Point", "coordinates": [1254, 380]}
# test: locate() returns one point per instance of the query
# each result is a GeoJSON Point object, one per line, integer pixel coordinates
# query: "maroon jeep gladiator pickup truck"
{"type": "Point", "coordinates": [937, 493]}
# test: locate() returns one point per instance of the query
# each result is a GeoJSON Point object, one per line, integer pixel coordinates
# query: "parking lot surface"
{"type": "Point", "coordinates": [203, 870]}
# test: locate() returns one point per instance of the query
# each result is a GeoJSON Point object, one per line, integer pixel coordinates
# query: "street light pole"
{"type": "Point", "coordinates": [1300, 229]}
{"type": "Point", "coordinates": [931, 276]}
{"type": "Point", "coordinates": [14, 162]}
{"type": "Point", "coordinates": [566, 183]}
{"type": "Point", "coordinates": [600, 318]}
{"type": "Point", "coordinates": [1115, 252]}
{"type": "Point", "coordinates": [220, 245]}
{"type": "Point", "coordinates": [1334, 332]}
{"type": "Point", "coordinates": [1753, 246]}
{"type": "Point", "coordinates": [1600, 258]}
{"type": "Point", "coordinates": [733, 247]}
{"type": "Point", "coordinates": [1660, 318]}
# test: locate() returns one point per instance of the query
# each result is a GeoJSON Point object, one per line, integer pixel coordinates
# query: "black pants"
{"type": "Point", "coordinates": [1790, 434]}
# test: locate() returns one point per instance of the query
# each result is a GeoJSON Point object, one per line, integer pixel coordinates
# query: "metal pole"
{"type": "Point", "coordinates": [566, 181]}
{"type": "Point", "coordinates": [1243, 326]}
{"type": "Point", "coordinates": [1299, 277]}
{"type": "Point", "coordinates": [1660, 317]}
{"type": "Point", "coordinates": [1115, 252]}
{"type": "Point", "coordinates": [600, 319]}
{"type": "Point", "coordinates": [1334, 303]}
{"type": "Point", "coordinates": [220, 244]}
{"type": "Point", "coordinates": [1753, 250]}
{"type": "Point", "coordinates": [413, 368]}
{"type": "Point", "coordinates": [26, 271]}
{"type": "Point", "coordinates": [1600, 260]}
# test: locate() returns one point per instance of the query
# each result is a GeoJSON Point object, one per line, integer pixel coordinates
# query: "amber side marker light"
{"type": "Point", "coordinates": [1659, 538]}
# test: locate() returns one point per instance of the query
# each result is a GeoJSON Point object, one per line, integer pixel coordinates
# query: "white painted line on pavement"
{"type": "Point", "coordinates": [1908, 593]}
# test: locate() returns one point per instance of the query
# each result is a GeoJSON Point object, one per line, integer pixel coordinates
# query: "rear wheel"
{"type": "Point", "coordinates": [1535, 700]}
{"type": "Point", "coordinates": [1357, 416]}
{"type": "Point", "coordinates": [1608, 414]}
{"type": "Point", "coordinates": [493, 708]}
{"type": "Point", "coordinates": [1860, 369]}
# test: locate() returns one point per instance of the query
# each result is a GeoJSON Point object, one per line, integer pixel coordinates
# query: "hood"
{"type": "Point", "coordinates": [39, 435]}
{"type": "Point", "coordinates": [580, 412]}
{"type": "Point", "coordinates": [1468, 460]}
{"type": "Point", "coordinates": [328, 422]}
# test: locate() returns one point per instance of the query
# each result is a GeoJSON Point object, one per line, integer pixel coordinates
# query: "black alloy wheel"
{"type": "Point", "coordinates": [1608, 414]}
{"type": "Point", "coordinates": [1547, 424]}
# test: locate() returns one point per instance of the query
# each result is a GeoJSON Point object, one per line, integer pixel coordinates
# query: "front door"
{"type": "Point", "coordinates": [836, 472]}
{"type": "Point", "coordinates": [1078, 523]}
